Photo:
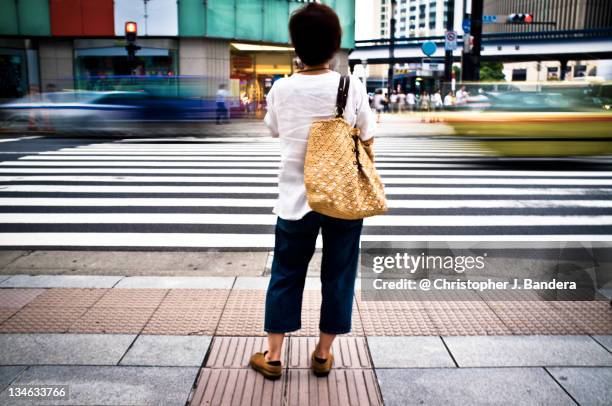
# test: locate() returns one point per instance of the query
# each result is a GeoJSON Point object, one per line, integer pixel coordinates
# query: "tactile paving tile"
{"type": "Point", "coordinates": [128, 320]}
{"type": "Point", "coordinates": [183, 321]}
{"type": "Point", "coordinates": [590, 317]}
{"type": "Point", "coordinates": [475, 306]}
{"type": "Point", "coordinates": [462, 322]}
{"type": "Point", "coordinates": [349, 352]}
{"type": "Point", "coordinates": [525, 321]}
{"type": "Point", "coordinates": [449, 296]}
{"type": "Point", "coordinates": [234, 352]}
{"type": "Point", "coordinates": [6, 312]}
{"type": "Point", "coordinates": [195, 298]}
{"type": "Point", "coordinates": [230, 387]}
{"type": "Point", "coordinates": [341, 387]}
{"type": "Point", "coordinates": [382, 322]}
{"type": "Point", "coordinates": [68, 297]}
{"type": "Point", "coordinates": [245, 297]}
{"type": "Point", "coordinates": [32, 319]}
{"type": "Point", "coordinates": [241, 319]}
{"type": "Point", "coordinates": [385, 295]}
{"type": "Point", "coordinates": [520, 304]}
{"type": "Point", "coordinates": [390, 305]}
{"type": "Point", "coordinates": [512, 296]}
{"type": "Point", "coordinates": [150, 298]}
{"type": "Point", "coordinates": [17, 298]}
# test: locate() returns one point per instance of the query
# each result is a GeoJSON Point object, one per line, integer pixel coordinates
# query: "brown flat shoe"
{"type": "Point", "coordinates": [259, 363]}
{"type": "Point", "coordinates": [321, 369]}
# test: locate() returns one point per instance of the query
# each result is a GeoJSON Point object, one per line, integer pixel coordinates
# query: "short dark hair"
{"type": "Point", "coordinates": [315, 33]}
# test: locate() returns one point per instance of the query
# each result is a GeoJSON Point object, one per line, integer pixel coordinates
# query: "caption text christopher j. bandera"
{"type": "Point", "coordinates": [409, 264]}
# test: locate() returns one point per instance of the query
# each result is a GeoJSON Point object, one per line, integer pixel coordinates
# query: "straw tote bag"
{"type": "Point", "coordinates": [339, 174]}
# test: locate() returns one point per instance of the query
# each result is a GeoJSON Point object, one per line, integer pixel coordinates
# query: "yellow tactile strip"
{"type": "Point", "coordinates": [33, 319]}
{"type": "Point", "coordinates": [240, 312]}
{"type": "Point", "coordinates": [16, 298]}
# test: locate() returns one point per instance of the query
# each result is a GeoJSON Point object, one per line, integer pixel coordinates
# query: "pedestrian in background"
{"type": "Point", "coordinates": [294, 102]}
{"type": "Point", "coordinates": [401, 102]}
{"type": "Point", "coordinates": [411, 101]}
{"type": "Point", "coordinates": [379, 103]}
{"type": "Point", "coordinates": [222, 112]}
{"type": "Point", "coordinates": [436, 100]}
{"type": "Point", "coordinates": [449, 101]}
{"type": "Point", "coordinates": [424, 105]}
{"type": "Point", "coordinates": [393, 100]}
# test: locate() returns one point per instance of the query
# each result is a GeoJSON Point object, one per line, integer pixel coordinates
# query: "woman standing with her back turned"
{"type": "Point", "coordinates": [293, 104]}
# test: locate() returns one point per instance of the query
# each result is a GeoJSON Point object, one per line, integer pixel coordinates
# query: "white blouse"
{"type": "Point", "coordinates": [294, 103]}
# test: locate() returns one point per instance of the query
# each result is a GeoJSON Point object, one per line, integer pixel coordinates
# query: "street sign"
{"type": "Point", "coordinates": [467, 25]}
{"type": "Point", "coordinates": [450, 43]}
{"type": "Point", "coordinates": [432, 65]}
{"type": "Point", "coordinates": [429, 48]}
{"type": "Point", "coordinates": [489, 19]}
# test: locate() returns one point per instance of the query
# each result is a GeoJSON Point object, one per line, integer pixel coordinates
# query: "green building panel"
{"type": "Point", "coordinates": [192, 18]}
{"type": "Point", "coordinates": [253, 20]}
{"type": "Point", "coordinates": [33, 17]}
{"type": "Point", "coordinates": [221, 19]}
{"type": "Point", "coordinates": [25, 17]}
{"type": "Point", "coordinates": [249, 15]}
{"type": "Point", "coordinates": [8, 18]}
{"type": "Point", "coordinates": [275, 11]}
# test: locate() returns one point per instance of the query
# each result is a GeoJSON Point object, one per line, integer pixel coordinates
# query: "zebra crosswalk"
{"type": "Point", "coordinates": [218, 193]}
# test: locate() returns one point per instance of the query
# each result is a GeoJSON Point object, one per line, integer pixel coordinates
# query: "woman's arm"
{"type": "Point", "coordinates": [365, 119]}
{"type": "Point", "coordinates": [270, 118]}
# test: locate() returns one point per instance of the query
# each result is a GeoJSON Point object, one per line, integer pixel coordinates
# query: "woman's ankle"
{"type": "Point", "coordinates": [321, 353]}
{"type": "Point", "coordinates": [270, 356]}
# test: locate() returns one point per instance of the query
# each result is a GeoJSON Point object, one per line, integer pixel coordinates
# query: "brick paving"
{"type": "Point", "coordinates": [234, 320]}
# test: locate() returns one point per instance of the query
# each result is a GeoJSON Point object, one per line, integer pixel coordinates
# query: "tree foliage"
{"type": "Point", "coordinates": [491, 71]}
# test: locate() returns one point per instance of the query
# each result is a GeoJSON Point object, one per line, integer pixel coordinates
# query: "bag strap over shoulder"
{"type": "Point", "coordinates": [343, 88]}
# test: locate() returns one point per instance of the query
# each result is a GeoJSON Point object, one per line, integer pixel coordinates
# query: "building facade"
{"type": "Point", "coordinates": [413, 18]}
{"type": "Point", "coordinates": [558, 15]}
{"type": "Point", "coordinates": [565, 14]}
{"type": "Point", "coordinates": [67, 44]}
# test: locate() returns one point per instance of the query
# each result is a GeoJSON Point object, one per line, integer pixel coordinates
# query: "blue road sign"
{"type": "Point", "coordinates": [429, 48]}
{"type": "Point", "coordinates": [467, 24]}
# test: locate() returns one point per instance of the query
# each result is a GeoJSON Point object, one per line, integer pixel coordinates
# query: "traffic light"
{"type": "Point", "coordinates": [520, 19]}
{"type": "Point", "coordinates": [131, 32]}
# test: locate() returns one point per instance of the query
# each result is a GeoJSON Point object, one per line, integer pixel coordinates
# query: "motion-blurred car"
{"type": "Point", "coordinates": [101, 111]}
{"type": "Point", "coordinates": [551, 123]}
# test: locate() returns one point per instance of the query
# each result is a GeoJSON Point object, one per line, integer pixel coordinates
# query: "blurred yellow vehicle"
{"type": "Point", "coordinates": [564, 121]}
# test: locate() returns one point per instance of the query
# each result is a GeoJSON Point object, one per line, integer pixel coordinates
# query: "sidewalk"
{"type": "Point", "coordinates": [396, 125]}
{"type": "Point", "coordinates": [172, 340]}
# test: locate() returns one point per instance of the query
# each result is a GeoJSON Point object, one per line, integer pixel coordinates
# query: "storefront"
{"type": "Point", "coordinates": [103, 64]}
{"type": "Point", "coordinates": [254, 68]}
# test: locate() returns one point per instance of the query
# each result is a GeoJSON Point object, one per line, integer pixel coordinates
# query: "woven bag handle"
{"type": "Point", "coordinates": [343, 88]}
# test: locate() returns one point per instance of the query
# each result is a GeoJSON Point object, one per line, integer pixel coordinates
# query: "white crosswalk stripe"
{"type": "Point", "coordinates": [218, 193]}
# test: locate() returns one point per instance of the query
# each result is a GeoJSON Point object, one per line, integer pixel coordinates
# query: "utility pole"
{"type": "Point", "coordinates": [391, 49]}
{"type": "Point", "coordinates": [476, 30]}
{"type": "Point", "coordinates": [448, 55]}
{"type": "Point", "coordinates": [470, 69]}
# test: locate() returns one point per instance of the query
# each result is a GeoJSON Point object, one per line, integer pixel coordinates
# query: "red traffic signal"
{"type": "Point", "coordinates": [131, 27]}
{"type": "Point", "coordinates": [131, 30]}
{"type": "Point", "coordinates": [520, 19]}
